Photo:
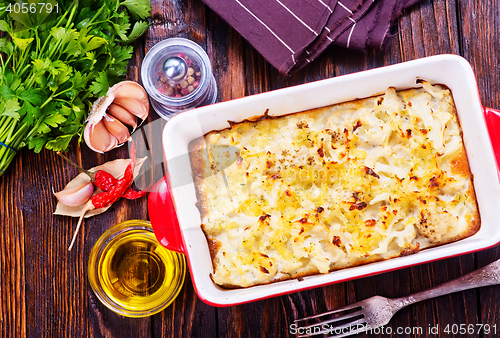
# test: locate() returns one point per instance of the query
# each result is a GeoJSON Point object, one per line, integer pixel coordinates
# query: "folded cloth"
{"type": "Point", "coordinates": [292, 33]}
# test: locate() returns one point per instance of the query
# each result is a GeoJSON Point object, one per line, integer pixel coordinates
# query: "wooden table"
{"type": "Point", "coordinates": [44, 291]}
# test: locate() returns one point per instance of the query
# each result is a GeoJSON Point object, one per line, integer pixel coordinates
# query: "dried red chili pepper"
{"type": "Point", "coordinates": [105, 181]}
{"type": "Point", "coordinates": [131, 194]}
{"type": "Point", "coordinates": [106, 198]}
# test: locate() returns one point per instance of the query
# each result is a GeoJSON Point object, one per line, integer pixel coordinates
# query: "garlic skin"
{"type": "Point", "coordinates": [75, 196]}
{"type": "Point", "coordinates": [122, 106]}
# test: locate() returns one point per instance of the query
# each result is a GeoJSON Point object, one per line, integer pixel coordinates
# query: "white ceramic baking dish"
{"type": "Point", "coordinates": [186, 236]}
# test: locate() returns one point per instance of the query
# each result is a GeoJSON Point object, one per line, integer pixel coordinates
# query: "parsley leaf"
{"type": "Point", "coordinates": [7, 93]}
{"type": "Point", "coordinates": [140, 27]}
{"type": "Point", "coordinates": [10, 108]}
{"type": "Point", "coordinates": [100, 86]}
{"type": "Point", "coordinates": [91, 42]}
{"type": "Point", "coordinates": [138, 8]}
{"type": "Point", "coordinates": [33, 96]}
{"type": "Point", "coordinates": [37, 143]}
{"type": "Point", "coordinates": [59, 143]}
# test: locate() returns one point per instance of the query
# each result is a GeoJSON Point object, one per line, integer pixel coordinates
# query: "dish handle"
{"type": "Point", "coordinates": [164, 218]}
{"type": "Point", "coordinates": [492, 117]}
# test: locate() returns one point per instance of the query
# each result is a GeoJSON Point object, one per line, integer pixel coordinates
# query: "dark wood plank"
{"type": "Point", "coordinates": [257, 71]}
{"type": "Point", "coordinates": [225, 50]}
{"type": "Point", "coordinates": [13, 316]}
{"type": "Point", "coordinates": [186, 317]}
{"type": "Point", "coordinates": [480, 41]}
{"type": "Point", "coordinates": [488, 300]}
{"type": "Point", "coordinates": [53, 281]}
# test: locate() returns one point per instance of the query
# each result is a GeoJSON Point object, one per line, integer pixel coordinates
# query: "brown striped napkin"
{"type": "Point", "coordinates": [292, 33]}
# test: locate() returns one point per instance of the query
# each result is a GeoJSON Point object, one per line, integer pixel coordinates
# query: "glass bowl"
{"type": "Point", "coordinates": [131, 273]}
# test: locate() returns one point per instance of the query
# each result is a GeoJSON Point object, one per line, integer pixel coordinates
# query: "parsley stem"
{"type": "Point", "coordinates": [14, 141]}
{"type": "Point", "coordinates": [33, 130]}
{"type": "Point", "coordinates": [2, 121]}
{"type": "Point", "coordinates": [46, 102]}
{"type": "Point", "coordinates": [40, 52]}
{"type": "Point", "coordinates": [3, 127]}
{"type": "Point", "coordinates": [19, 135]}
{"type": "Point", "coordinates": [11, 131]}
{"type": "Point", "coordinates": [96, 16]}
{"type": "Point", "coordinates": [73, 10]}
{"type": "Point", "coordinates": [4, 131]}
{"type": "Point", "coordinates": [26, 68]}
{"type": "Point", "coordinates": [8, 60]}
{"type": "Point", "coordinates": [37, 39]}
{"type": "Point", "coordinates": [62, 92]}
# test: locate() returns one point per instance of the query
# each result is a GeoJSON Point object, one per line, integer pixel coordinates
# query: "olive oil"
{"type": "Point", "coordinates": [132, 273]}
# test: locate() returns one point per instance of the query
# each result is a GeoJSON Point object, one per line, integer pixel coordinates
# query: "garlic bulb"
{"type": "Point", "coordinates": [114, 117]}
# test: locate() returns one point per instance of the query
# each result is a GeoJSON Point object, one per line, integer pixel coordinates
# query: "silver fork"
{"type": "Point", "coordinates": [377, 311]}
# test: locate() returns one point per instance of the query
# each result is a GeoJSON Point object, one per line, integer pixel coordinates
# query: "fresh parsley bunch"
{"type": "Point", "coordinates": [54, 64]}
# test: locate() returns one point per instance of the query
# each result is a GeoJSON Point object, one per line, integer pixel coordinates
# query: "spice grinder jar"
{"type": "Point", "coordinates": [131, 273]}
{"type": "Point", "coordinates": [177, 75]}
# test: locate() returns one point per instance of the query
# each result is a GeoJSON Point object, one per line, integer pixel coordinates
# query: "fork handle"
{"type": "Point", "coordinates": [488, 275]}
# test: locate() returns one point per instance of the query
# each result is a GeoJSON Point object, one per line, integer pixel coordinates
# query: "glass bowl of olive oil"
{"type": "Point", "coordinates": [131, 273]}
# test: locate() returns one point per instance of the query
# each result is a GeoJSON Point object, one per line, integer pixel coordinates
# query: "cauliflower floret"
{"type": "Point", "coordinates": [434, 223]}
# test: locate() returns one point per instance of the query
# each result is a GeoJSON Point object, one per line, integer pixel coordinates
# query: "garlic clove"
{"type": "Point", "coordinates": [131, 90]}
{"type": "Point", "coordinates": [126, 101]}
{"type": "Point", "coordinates": [123, 115]}
{"type": "Point", "coordinates": [116, 128]}
{"type": "Point", "coordinates": [134, 106]}
{"type": "Point", "coordinates": [75, 196]}
{"type": "Point", "coordinates": [98, 138]}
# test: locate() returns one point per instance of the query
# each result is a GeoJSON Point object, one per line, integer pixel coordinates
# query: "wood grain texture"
{"type": "Point", "coordinates": [13, 315]}
{"type": "Point", "coordinates": [228, 58]}
{"type": "Point", "coordinates": [480, 38]}
{"type": "Point", "coordinates": [44, 290]}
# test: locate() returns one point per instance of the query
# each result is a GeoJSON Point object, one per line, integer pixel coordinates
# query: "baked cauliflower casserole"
{"type": "Point", "coordinates": [334, 187]}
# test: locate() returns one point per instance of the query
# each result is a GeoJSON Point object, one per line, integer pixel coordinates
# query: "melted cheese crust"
{"type": "Point", "coordinates": [334, 187]}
